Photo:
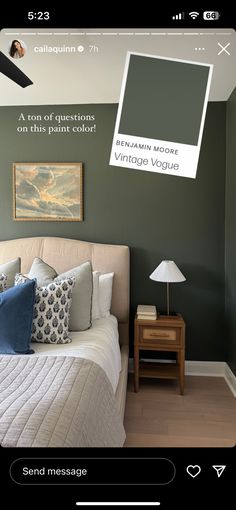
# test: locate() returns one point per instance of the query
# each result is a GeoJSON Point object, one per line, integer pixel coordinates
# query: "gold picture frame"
{"type": "Point", "coordinates": [48, 191]}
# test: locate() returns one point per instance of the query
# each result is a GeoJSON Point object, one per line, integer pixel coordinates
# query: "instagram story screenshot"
{"type": "Point", "coordinates": [117, 259]}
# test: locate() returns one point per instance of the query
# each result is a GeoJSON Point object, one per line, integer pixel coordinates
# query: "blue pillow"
{"type": "Point", "coordinates": [16, 315]}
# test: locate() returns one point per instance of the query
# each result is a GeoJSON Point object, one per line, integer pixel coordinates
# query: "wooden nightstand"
{"type": "Point", "coordinates": [167, 333]}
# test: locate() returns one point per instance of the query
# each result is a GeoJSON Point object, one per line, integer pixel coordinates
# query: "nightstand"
{"type": "Point", "coordinates": [166, 333]}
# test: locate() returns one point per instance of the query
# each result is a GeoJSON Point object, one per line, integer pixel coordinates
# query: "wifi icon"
{"type": "Point", "coordinates": [194, 14]}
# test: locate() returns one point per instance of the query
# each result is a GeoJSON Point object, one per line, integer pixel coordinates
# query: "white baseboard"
{"type": "Point", "coordinates": [205, 368]}
{"type": "Point", "coordinates": [212, 369]}
{"type": "Point", "coordinates": [230, 379]}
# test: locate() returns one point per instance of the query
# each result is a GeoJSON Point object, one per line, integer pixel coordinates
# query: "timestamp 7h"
{"type": "Point", "coordinates": [39, 15]}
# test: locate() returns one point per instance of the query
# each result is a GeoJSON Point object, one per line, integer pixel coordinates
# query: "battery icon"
{"type": "Point", "coordinates": [211, 15]}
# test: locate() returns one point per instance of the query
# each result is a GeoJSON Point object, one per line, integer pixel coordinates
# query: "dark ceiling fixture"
{"type": "Point", "coordinates": [13, 72]}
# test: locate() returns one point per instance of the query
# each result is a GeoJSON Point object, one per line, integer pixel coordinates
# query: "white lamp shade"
{"type": "Point", "coordinates": [167, 271]}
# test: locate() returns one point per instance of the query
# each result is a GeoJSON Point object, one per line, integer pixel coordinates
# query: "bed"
{"type": "Point", "coordinates": [69, 395]}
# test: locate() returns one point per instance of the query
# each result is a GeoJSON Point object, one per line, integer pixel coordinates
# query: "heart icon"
{"type": "Point", "coordinates": [193, 470]}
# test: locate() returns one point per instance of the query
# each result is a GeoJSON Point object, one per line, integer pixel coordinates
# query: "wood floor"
{"type": "Point", "coordinates": [159, 416]}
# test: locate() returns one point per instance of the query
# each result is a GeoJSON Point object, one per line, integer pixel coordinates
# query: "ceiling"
{"type": "Point", "coordinates": [85, 66]}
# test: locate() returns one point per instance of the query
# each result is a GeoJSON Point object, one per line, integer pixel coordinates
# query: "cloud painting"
{"type": "Point", "coordinates": [48, 191]}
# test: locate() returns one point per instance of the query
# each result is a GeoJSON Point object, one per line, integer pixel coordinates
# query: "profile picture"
{"type": "Point", "coordinates": [17, 49]}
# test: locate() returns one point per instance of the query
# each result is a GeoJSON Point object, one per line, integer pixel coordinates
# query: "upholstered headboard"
{"type": "Point", "coordinates": [63, 254]}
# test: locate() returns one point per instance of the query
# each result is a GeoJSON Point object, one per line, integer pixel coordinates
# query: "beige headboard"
{"type": "Point", "coordinates": [63, 254]}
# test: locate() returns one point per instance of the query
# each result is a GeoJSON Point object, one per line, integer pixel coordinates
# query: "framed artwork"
{"type": "Point", "coordinates": [48, 191]}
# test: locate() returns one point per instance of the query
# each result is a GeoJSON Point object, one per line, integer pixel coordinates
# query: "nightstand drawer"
{"type": "Point", "coordinates": [169, 336]}
{"type": "Point", "coordinates": [161, 334]}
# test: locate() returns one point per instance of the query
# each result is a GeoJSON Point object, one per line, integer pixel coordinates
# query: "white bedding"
{"type": "Point", "coordinates": [100, 344]}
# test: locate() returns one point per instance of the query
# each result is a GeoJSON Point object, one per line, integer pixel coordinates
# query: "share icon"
{"type": "Point", "coordinates": [219, 470]}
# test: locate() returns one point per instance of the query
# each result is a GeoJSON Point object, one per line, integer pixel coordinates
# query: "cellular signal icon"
{"type": "Point", "coordinates": [178, 16]}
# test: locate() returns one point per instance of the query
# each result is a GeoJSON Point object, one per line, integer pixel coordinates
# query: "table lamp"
{"type": "Point", "coordinates": [168, 272]}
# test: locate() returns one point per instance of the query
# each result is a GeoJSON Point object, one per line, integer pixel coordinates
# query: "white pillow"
{"type": "Point", "coordinates": [10, 269]}
{"type": "Point", "coordinates": [105, 293]}
{"type": "Point", "coordinates": [95, 299]}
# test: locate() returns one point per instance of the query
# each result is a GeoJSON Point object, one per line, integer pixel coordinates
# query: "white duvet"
{"type": "Point", "coordinates": [100, 344]}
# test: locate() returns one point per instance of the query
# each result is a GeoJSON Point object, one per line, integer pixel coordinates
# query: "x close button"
{"type": "Point", "coordinates": [223, 48]}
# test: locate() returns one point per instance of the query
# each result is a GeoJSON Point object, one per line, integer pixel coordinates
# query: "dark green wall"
{"type": "Point", "coordinates": [230, 232]}
{"type": "Point", "coordinates": [158, 216]}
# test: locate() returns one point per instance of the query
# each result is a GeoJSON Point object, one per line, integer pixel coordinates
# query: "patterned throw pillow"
{"type": "Point", "coordinates": [81, 308]}
{"type": "Point", "coordinates": [51, 311]}
{"type": "Point", "coordinates": [21, 278]}
{"type": "Point", "coordinates": [3, 282]}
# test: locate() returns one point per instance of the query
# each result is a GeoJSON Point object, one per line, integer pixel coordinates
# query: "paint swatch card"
{"type": "Point", "coordinates": [161, 115]}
